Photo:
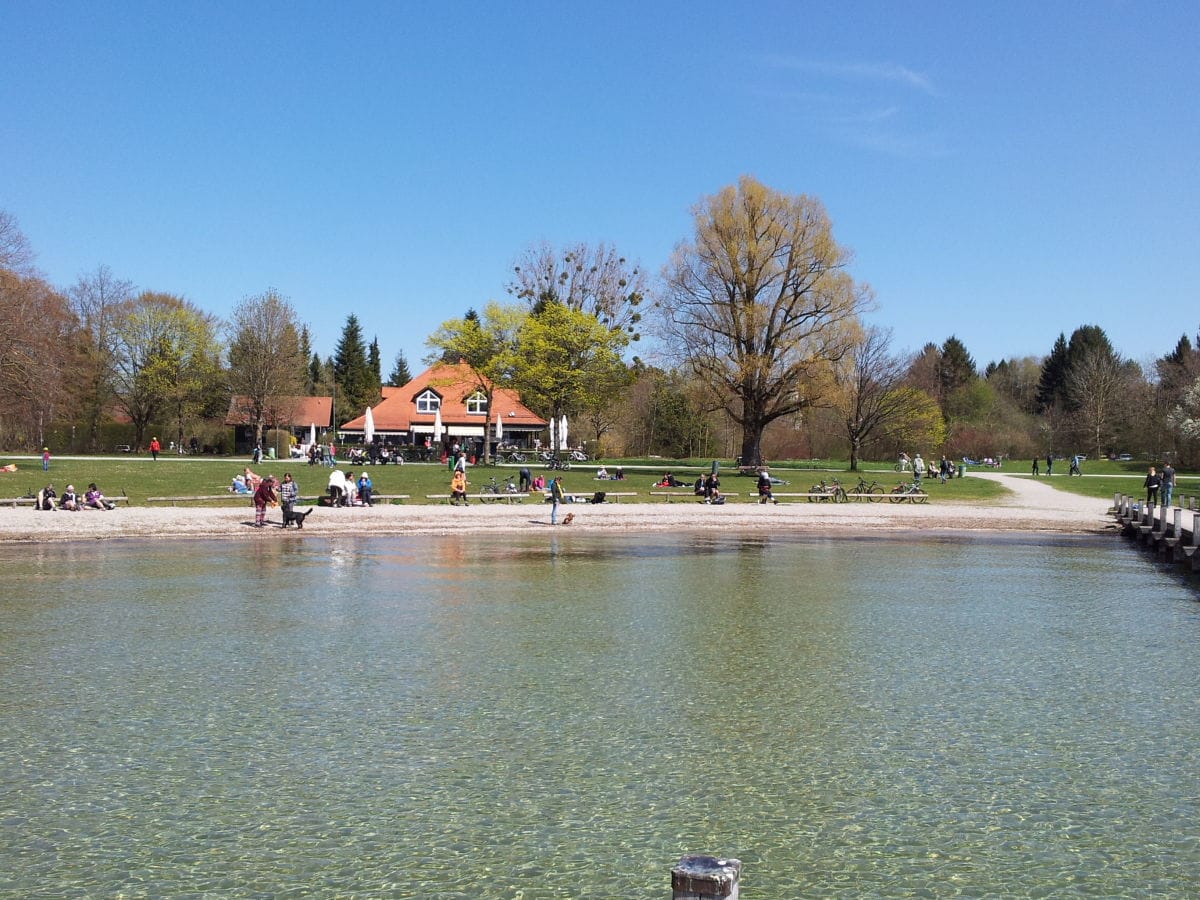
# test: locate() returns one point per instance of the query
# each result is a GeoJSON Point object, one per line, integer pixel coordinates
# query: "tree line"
{"type": "Point", "coordinates": [760, 348]}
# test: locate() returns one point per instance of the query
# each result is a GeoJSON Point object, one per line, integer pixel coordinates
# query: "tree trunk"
{"type": "Point", "coordinates": [854, 448]}
{"type": "Point", "coordinates": [752, 444]}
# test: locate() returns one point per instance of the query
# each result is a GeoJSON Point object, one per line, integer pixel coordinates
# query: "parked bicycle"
{"type": "Point", "coordinates": [515, 456]}
{"type": "Point", "coordinates": [493, 491]}
{"type": "Point", "coordinates": [872, 492]}
{"type": "Point", "coordinates": [826, 492]}
{"type": "Point", "coordinates": [910, 491]}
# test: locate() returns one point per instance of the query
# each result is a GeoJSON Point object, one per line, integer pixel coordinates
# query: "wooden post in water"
{"type": "Point", "coordinates": [1177, 525]}
{"type": "Point", "coordinates": [1196, 529]}
{"type": "Point", "coordinates": [698, 877]}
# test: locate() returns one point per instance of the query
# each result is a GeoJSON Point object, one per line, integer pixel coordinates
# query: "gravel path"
{"type": "Point", "coordinates": [1030, 506]}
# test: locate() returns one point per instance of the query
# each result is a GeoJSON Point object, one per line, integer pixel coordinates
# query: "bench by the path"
{"type": "Point", "coordinates": [508, 498]}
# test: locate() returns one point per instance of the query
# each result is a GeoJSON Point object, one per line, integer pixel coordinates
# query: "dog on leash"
{"type": "Point", "coordinates": [290, 516]}
{"type": "Point", "coordinates": [569, 518]}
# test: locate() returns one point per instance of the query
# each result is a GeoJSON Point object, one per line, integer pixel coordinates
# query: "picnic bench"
{"type": "Point", "coordinates": [14, 502]}
{"type": "Point", "coordinates": [585, 497]}
{"type": "Point", "coordinates": [505, 496]}
{"type": "Point", "coordinates": [687, 494]}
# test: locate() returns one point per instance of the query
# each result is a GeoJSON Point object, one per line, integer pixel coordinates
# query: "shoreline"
{"type": "Point", "coordinates": [1030, 508]}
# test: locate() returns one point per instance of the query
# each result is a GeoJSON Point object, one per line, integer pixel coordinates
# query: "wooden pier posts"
{"type": "Point", "coordinates": [1161, 528]}
{"type": "Point", "coordinates": [697, 877]}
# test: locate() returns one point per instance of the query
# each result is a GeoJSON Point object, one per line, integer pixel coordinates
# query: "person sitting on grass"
{"type": "Point", "coordinates": [238, 485]}
{"type": "Point", "coordinates": [602, 474]}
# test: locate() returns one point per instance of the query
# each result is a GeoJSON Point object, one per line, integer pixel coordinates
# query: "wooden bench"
{"type": "Point", "coordinates": [584, 497]}
{"type": "Point", "coordinates": [509, 498]}
{"type": "Point", "coordinates": [14, 502]}
{"type": "Point", "coordinates": [689, 495]}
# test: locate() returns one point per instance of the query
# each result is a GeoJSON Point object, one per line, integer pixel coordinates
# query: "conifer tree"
{"type": "Point", "coordinates": [400, 373]}
{"type": "Point", "coordinates": [352, 373]}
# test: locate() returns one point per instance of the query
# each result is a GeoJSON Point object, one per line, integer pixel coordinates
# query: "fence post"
{"type": "Point", "coordinates": [1177, 525]}
{"type": "Point", "coordinates": [1196, 529]}
{"type": "Point", "coordinates": [698, 877]}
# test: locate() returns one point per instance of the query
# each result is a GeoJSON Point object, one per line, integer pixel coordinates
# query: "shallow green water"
{"type": "Point", "coordinates": [564, 716]}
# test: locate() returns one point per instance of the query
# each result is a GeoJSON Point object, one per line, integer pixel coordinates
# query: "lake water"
{"type": "Point", "coordinates": [565, 715]}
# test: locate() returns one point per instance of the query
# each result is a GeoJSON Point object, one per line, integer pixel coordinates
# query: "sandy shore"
{"type": "Point", "coordinates": [1029, 507]}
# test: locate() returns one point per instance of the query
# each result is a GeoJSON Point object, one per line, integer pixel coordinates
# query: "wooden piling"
{"type": "Point", "coordinates": [698, 877]}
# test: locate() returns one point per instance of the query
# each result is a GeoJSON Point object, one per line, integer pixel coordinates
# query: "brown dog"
{"type": "Point", "coordinates": [569, 518]}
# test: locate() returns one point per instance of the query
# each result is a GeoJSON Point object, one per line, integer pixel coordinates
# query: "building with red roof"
{"type": "Point", "coordinates": [409, 414]}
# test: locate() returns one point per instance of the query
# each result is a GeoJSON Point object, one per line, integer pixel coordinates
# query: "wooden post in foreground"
{"type": "Point", "coordinates": [697, 877]}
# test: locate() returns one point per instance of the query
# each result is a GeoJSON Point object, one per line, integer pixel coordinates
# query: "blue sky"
{"type": "Point", "coordinates": [1003, 172]}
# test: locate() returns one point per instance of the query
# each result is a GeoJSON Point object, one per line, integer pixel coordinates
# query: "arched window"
{"type": "Point", "coordinates": [477, 404]}
{"type": "Point", "coordinates": [428, 402]}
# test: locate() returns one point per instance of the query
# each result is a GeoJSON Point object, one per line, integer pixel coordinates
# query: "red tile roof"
{"type": "Point", "coordinates": [397, 411]}
{"type": "Point", "coordinates": [290, 412]}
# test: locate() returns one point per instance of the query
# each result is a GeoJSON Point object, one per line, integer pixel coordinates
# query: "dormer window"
{"type": "Point", "coordinates": [428, 402]}
{"type": "Point", "coordinates": [477, 404]}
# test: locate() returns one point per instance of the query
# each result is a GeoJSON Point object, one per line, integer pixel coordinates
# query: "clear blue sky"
{"type": "Point", "coordinates": [1002, 171]}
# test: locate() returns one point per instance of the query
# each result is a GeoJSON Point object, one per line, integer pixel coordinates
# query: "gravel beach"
{"type": "Point", "coordinates": [1029, 506]}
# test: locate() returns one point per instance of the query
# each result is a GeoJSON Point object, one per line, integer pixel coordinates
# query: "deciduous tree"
{"type": "Point", "coordinates": [760, 306]}
{"type": "Point", "coordinates": [266, 362]}
{"type": "Point", "coordinates": [97, 299]}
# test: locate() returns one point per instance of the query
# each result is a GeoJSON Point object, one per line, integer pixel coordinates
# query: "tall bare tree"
{"type": "Point", "coordinates": [595, 280]}
{"type": "Point", "coordinates": [760, 306]}
{"type": "Point", "coordinates": [873, 400]}
{"type": "Point", "coordinates": [15, 253]}
{"type": "Point", "coordinates": [1097, 386]}
{"type": "Point", "coordinates": [97, 299]}
{"type": "Point", "coordinates": [266, 363]}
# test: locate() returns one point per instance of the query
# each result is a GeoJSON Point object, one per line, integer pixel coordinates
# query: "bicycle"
{"type": "Point", "coordinates": [556, 463]}
{"type": "Point", "coordinates": [516, 456]}
{"type": "Point", "coordinates": [495, 491]}
{"type": "Point", "coordinates": [910, 491]}
{"type": "Point", "coordinates": [871, 492]}
{"type": "Point", "coordinates": [832, 491]}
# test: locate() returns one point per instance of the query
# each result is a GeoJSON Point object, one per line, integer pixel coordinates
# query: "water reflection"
{"type": "Point", "coordinates": [477, 716]}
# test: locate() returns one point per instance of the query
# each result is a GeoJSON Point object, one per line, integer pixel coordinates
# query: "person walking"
{"type": "Point", "coordinates": [155, 446]}
{"type": "Point", "coordinates": [45, 459]}
{"type": "Point", "coordinates": [1035, 467]}
{"type": "Point", "coordinates": [556, 497]}
{"type": "Point", "coordinates": [1049, 465]}
{"type": "Point", "coordinates": [1168, 482]}
{"type": "Point", "coordinates": [1152, 483]}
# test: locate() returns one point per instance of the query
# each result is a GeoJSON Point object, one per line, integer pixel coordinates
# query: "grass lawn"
{"type": "Point", "coordinates": [139, 477]}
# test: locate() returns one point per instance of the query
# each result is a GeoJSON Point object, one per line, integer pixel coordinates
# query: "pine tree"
{"type": "Point", "coordinates": [400, 374]}
{"type": "Point", "coordinates": [306, 352]}
{"type": "Point", "coordinates": [1051, 388]}
{"type": "Point", "coordinates": [956, 368]}
{"type": "Point", "coordinates": [352, 373]}
{"type": "Point", "coordinates": [375, 363]}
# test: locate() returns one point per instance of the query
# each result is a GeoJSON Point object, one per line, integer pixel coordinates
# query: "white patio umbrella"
{"type": "Point", "coordinates": [553, 446]}
{"type": "Point", "coordinates": [562, 433]}
{"type": "Point", "coordinates": [499, 426]}
{"type": "Point", "coordinates": [368, 427]}
{"type": "Point", "coordinates": [312, 433]}
{"type": "Point", "coordinates": [437, 426]}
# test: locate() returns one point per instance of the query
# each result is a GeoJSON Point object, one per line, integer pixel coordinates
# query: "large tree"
{"type": "Point", "coordinates": [567, 361]}
{"type": "Point", "coordinates": [357, 385]}
{"type": "Point", "coordinates": [400, 374]}
{"type": "Point", "coordinates": [97, 299]}
{"type": "Point", "coordinates": [760, 306]}
{"type": "Point", "coordinates": [266, 359]}
{"type": "Point", "coordinates": [595, 280]}
{"type": "Point", "coordinates": [873, 400]}
{"type": "Point", "coordinates": [36, 357]}
{"type": "Point", "coordinates": [163, 346]}
{"type": "Point", "coordinates": [1098, 385]}
{"type": "Point", "coordinates": [487, 344]}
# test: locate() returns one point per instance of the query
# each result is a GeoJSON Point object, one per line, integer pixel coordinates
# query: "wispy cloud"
{"type": "Point", "coordinates": [883, 107]}
{"type": "Point", "coordinates": [887, 72]}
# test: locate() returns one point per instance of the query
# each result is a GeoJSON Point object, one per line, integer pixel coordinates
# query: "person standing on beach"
{"type": "Point", "coordinates": [289, 492]}
{"type": "Point", "coordinates": [1151, 484]}
{"type": "Point", "coordinates": [155, 446]}
{"type": "Point", "coordinates": [556, 497]}
{"type": "Point", "coordinates": [1168, 482]}
{"type": "Point", "coordinates": [264, 495]}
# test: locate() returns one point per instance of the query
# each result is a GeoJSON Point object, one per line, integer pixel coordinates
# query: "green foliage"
{"type": "Point", "coordinates": [357, 385]}
{"type": "Point", "coordinates": [400, 374]}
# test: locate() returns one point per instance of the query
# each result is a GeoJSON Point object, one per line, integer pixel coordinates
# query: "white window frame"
{"type": "Point", "coordinates": [428, 401]}
{"type": "Point", "coordinates": [477, 404]}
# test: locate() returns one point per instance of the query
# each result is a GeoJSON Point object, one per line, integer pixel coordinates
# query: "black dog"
{"type": "Point", "coordinates": [290, 516]}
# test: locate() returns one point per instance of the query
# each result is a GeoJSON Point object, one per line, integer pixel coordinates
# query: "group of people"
{"type": "Point", "coordinates": [93, 498]}
{"type": "Point", "coordinates": [1075, 465]}
{"type": "Point", "coordinates": [602, 474]}
{"type": "Point", "coordinates": [1157, 482]}
{"type": "Point", "coordinates": [345, 490]}
{"type": "Point", "coordinates": [944, 469]}
{"type": "Point", "coordinates": [709, 487]}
